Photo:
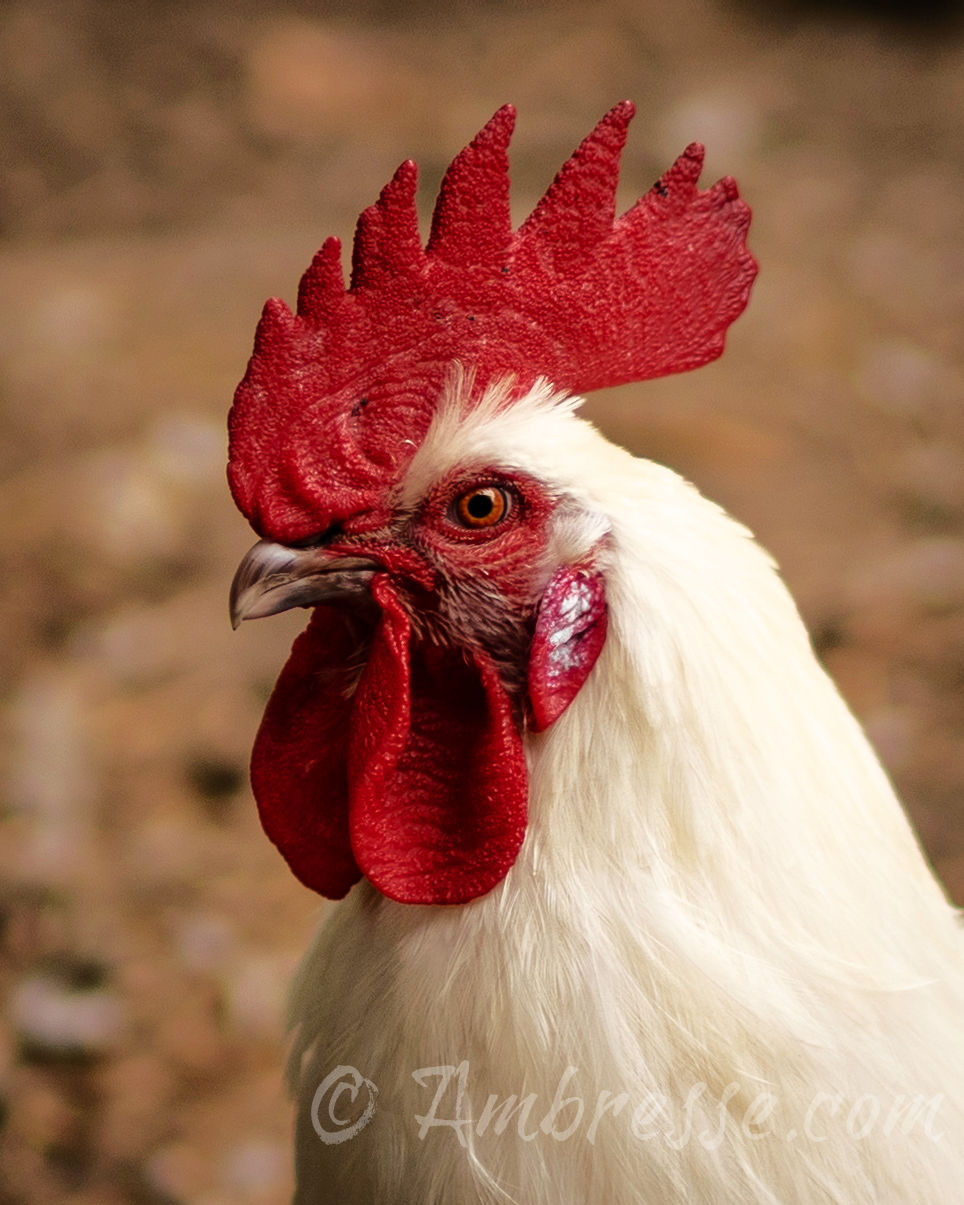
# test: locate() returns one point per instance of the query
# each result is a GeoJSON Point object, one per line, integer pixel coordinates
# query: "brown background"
{"type": "Point", "coordinates": [165, 168]}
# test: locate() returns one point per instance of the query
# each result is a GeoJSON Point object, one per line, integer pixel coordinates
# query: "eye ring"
{"type": "Point", "coordinates": [482, 507]}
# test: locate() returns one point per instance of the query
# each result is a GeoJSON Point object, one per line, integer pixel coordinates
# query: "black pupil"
{"type": "Point", "coordinates": [480, 505]}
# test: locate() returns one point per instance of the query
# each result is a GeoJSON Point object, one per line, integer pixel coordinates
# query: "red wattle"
{"type": "Point", "coordinates": [417, 780]}
{"type": "Point", "coordinates": [298, 767]}
{"type": "Point", "coordinates": [437, 771]}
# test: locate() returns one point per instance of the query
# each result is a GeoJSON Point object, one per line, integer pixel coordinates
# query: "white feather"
{"type": "Point", "coordinates": [720, 916]}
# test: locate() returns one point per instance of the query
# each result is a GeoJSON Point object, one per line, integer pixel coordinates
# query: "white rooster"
{"type": "Point", "coordinates": [633, 915]}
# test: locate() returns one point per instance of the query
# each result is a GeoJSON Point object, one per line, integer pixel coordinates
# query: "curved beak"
{"type": "Point", "coordinates": [273, 578]}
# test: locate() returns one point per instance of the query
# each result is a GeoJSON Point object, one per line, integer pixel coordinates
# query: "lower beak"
{"type": "Point", "coordinates": [273, 578]}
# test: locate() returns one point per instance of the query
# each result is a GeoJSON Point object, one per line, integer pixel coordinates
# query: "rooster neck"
{"type": "Point", "coordinates": [717, 887]}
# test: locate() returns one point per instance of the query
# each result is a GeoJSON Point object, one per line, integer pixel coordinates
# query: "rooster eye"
{"type": "Point", "coordinates": [482, 507]}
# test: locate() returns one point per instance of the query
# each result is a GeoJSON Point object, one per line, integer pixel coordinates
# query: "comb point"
{"type": "Point", "coordinates": [387, 242]}
{"type": "Point", "coordinates": [578, 209]}
{"type": "Point", "coordinates": [273, 327]}
{"type": "Point", "coordinates": [471, 222]}
{"type": "Point", "coordinates": [322, 287]}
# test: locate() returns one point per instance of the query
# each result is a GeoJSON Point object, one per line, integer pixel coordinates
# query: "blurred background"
{"type": "Point", "coordinates": [165, 167]}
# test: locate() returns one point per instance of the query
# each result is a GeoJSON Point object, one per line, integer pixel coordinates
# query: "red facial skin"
{"type": "Point", "coordinates": [475, 589]}
{"type": "Point", "coordinates": [410, 768]}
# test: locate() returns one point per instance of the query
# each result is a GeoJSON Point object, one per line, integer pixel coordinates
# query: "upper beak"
{"type": "Point", "coordinates": [273, 578]}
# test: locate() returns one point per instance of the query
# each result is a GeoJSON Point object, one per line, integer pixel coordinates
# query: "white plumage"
{"type": "Point", "coordinates": [720, 966]}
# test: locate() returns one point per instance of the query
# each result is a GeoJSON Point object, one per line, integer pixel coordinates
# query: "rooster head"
{"type": "Point", "coordinates": [451, 613]}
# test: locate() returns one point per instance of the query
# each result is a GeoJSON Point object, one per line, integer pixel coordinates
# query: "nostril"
{"type": "Point", "coordinates": [320, 538]}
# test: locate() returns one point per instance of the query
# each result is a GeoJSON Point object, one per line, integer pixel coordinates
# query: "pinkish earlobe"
{"type": "Point", "coordinates": [570, 632]}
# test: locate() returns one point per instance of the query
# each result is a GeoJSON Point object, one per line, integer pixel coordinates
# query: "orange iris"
{"type": "Point", "coordinates": [482, 507]}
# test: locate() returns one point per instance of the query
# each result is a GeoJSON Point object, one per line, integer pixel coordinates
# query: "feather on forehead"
{"type": "Point", "coordinates": [338, 394]}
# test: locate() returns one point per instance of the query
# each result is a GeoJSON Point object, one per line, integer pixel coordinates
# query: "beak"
{"type": "Point", "coordinates": [273, 578]}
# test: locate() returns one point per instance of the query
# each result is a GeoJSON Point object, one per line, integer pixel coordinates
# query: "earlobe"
{"type": "Point", "coordinates": [569, 635]}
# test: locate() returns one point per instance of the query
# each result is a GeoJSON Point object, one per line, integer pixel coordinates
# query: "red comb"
{"type": "Point", "coordinates": [337, 395]}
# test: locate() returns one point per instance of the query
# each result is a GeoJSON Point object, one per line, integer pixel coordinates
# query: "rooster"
{"type": "Point", "coordinates": [633, 914]}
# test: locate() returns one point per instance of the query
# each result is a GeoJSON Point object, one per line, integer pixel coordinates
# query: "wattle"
{"type": "Point", "coordinates": [415, 779]}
